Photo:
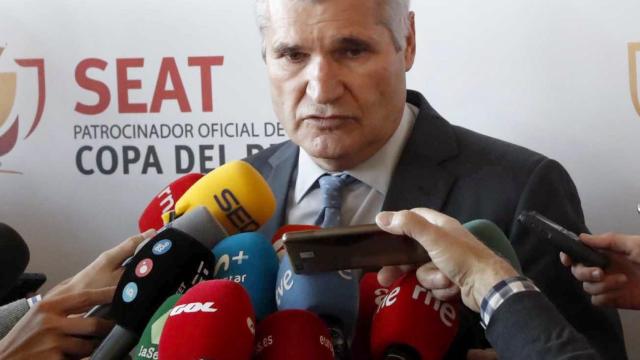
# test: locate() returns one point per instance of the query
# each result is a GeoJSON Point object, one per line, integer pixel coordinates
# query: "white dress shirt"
{"type": "Point", "coordinates": [361, 201]}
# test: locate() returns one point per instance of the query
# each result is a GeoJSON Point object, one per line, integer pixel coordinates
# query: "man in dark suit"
{"type": "Point", "coordinates": [337, 74]}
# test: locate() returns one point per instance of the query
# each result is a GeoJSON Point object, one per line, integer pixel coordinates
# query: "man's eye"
{"type": "Point", "coordinates": [353, 53]}
{"type": "Point", "coordinates": [295, 56]}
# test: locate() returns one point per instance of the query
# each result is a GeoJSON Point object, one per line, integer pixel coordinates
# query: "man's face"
{"type": "Point", "coordinates": [337, 81]}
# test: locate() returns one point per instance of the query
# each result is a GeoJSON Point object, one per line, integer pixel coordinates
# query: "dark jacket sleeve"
{"type": "Point", "coordinates": [527, 326]}
{"type": "Point", "coordinates": [551, 192]}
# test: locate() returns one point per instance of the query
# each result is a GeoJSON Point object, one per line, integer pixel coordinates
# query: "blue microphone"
{"type": "Point", "coordinates": [249, 259]}
{"type": "Point", "coordinates": [333, 296]}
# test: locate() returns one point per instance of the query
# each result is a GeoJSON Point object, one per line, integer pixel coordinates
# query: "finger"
{"type": "Point", "coordinates": [91, 326]}
{"type": "Point", "coordinates": [565, 259]}
{"type": "Point", "coordinates": [80, 301]}
{"type": "Point", "coordinates": [589, 274]}
{"type": "Point", "coordinates": [612, 298]}
{"type": "Point", "coordinates": [620, 243]}
{"type": "Point", "coordinates": [389, 274]}
{"type": "Point", "coordinates": [448, 294]}
{"type": "Point", "coordinates": [414, 225]}
{"type": "Point", "coordinates": [121, 252]}
{"type": "Point", "coordinates": [431, 278]}
{"type": "Point", "coordinates": [610, 283]}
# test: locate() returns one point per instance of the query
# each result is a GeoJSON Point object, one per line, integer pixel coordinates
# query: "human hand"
{"type": "Point", "coordinates": [48, 331]}
{"type": "Point", "coordinates": [105, 270]}
{"type": "Point", "coordinates": [454, 251]}
{"type": "Point", "coordinates": [619, 284]}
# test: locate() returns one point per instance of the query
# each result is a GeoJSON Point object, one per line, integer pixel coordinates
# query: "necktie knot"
{"type": "Point", "coordinates": [331, 187]}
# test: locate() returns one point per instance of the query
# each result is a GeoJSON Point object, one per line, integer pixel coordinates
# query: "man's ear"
{"type": "Point", "coordinates": [410, 48]}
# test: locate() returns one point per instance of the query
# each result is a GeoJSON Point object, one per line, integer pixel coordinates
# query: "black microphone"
{"type": "Point", "coordinates": [171, 262]}
{"type": "Point", "coordinates": [14, 257]}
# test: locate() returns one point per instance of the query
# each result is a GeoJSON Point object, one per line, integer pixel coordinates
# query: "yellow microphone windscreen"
{"type": "Point", "coordinates": [235, 194]}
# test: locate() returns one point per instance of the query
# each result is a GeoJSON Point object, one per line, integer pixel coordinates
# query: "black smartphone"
{"type": "Point", "coordinates": [27, 284]}
{"type": "Point", "coordinates": [563, 239]}
{"type": "Point", "coordinates": [350, 247]}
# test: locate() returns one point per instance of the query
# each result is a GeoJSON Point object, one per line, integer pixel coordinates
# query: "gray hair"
{"type": "Point", "coordinates": [396, 19]}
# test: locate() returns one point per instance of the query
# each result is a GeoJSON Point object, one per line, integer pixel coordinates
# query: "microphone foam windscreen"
{"type": "Point", "coordinates": [491, 235]}
{"type": "Point", "coordinates": [276, 240]}
{"type": "Point", "coordinates": [165, 201]}
{"type": "Point", "coordinates": [14, 257]}
{"type": "Point", "coordinates": [147, 348]}
{"type": "Point", "coordinates": [213, 320]}
{"type": "Point", "coordinates": [332, 295]}
{"type": "Point", "coordinates": [171, 262]}
{"type": "Point", "coordinates": [249, 259]}
{"type": "Point", "coordinates": [293, 334]}
{"type": "Point", "coordinates": [371, 295]}
{"type": "Point", "coordinates": [410, 316]}
{"type": "Point", "coordinates": [236, 195]}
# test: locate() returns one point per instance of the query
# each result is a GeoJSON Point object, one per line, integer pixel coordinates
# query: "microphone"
{"type": "Point", "coordinates": [293, 334]}
{"type": "Point", "coordinates": [371, 296]}
{"type": "Point", "coordinates": [14, 257]}
{"type": "Point", "coordinates": [165, 201]}
{"type": "Point", "coordinates": [171, 262]}
{"type": "Point", "coordinates": [332, 295]}
{"type": "Point", "coordinates": [276, 240]}
{"type": "Point", "coordinates": [412, 324]}
{"type": "Point", "coordinates": [493, 237]}
{"type": "Point", "coordinates": [147, 348]}
{"type": "Point", "coordinates": [249, 259]}
{"type": "Point", "coordinates": [235, 194]}
{"type": "Point", "coordinates": [213, 320]}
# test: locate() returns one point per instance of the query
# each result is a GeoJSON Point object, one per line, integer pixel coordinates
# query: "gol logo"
{"type": "Point", "coordinates": [193, 308]}
{"type": "Point", "coordinates": [8, 82]}
{"type": "Point", "coordinates": [634, 51]}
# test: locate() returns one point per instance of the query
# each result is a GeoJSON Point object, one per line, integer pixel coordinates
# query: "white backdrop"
{"type": "Point", "coordinates": [553, 76]}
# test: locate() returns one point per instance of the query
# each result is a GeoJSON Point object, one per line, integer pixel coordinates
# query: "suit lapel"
{"type": "Point", "coordinates": [418, 179]}
{"type": "Point", "coordinates": [283, 163]}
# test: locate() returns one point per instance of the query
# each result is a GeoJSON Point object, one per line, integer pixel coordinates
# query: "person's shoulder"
{"type": "Point", "coordinates": [489, 150]}
{"type": "Point", "coordinates": [261, 159]}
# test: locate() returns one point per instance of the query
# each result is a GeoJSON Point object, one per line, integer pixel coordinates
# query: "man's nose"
{"type": "Point", "coordinates": [324, 84]}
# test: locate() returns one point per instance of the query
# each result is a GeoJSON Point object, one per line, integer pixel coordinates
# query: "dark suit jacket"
{"type": "Point", "coordinates": [471, 176]}
{"type": "Point", "coordinates": [536, 331]}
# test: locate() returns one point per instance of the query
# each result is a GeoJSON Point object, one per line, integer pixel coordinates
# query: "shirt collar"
{"type": "Point", "coordinates": [375, 172]}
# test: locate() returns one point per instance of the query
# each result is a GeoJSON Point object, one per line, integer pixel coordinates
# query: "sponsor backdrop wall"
{"type": "Point", "coordinates": [103, 103]}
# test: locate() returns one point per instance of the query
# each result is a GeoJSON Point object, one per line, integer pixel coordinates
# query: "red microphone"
{"type": "Point", "coordinates": [165, 201]}
{"type": "Point", "coordinates": [293, 334]}
{"type": "Point", "coordinates": [371, 296]}
{"type": "Point", "coordinates": [213, 320]}
{"type": "Point", "coordinates": [411, 323]}
{"type": "Point", "coordinates": [276, 240]}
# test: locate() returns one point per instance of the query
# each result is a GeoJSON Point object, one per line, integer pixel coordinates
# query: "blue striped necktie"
{"type": "Point", "coordinates": [331, 187]}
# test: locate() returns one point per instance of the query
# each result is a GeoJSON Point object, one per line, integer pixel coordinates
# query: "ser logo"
{"type": "Point", "coordinates": [634, 82]}
{"type": "Point", "coordinates": [10, 120]}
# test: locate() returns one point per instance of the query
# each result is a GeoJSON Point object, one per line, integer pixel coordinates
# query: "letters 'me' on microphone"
{"type": "Point", "coordinates": [170, 263]}
{"type": "Point", "coordinates": [333, 296]}
{"type": "Point", "coordinates": [371, 296]}
{"type": "Point", "coordinates": [213, 320]}
{"type": "Point", "coordinates": [276, 240]}
{"type": "Point", "coordinates": [147, 348]}
{"type": "Point", "coordinates": [235, 194]}
{"type": "Point", "coordinates": [14, 257]}
{"type": "Point", "coordinates": [293, 334]}
{"type": "Point", "coordinates": [249, 259]}
{"type": "Point", "coordinates": [412, 324]}
{"type": "Point", "coordinates": [165, 202]}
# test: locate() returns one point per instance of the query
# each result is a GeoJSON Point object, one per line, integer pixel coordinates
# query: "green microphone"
{"type": "Point", "coordinates": [493, 237]}
{"type": "Point", "coordinates": [147, 348]}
